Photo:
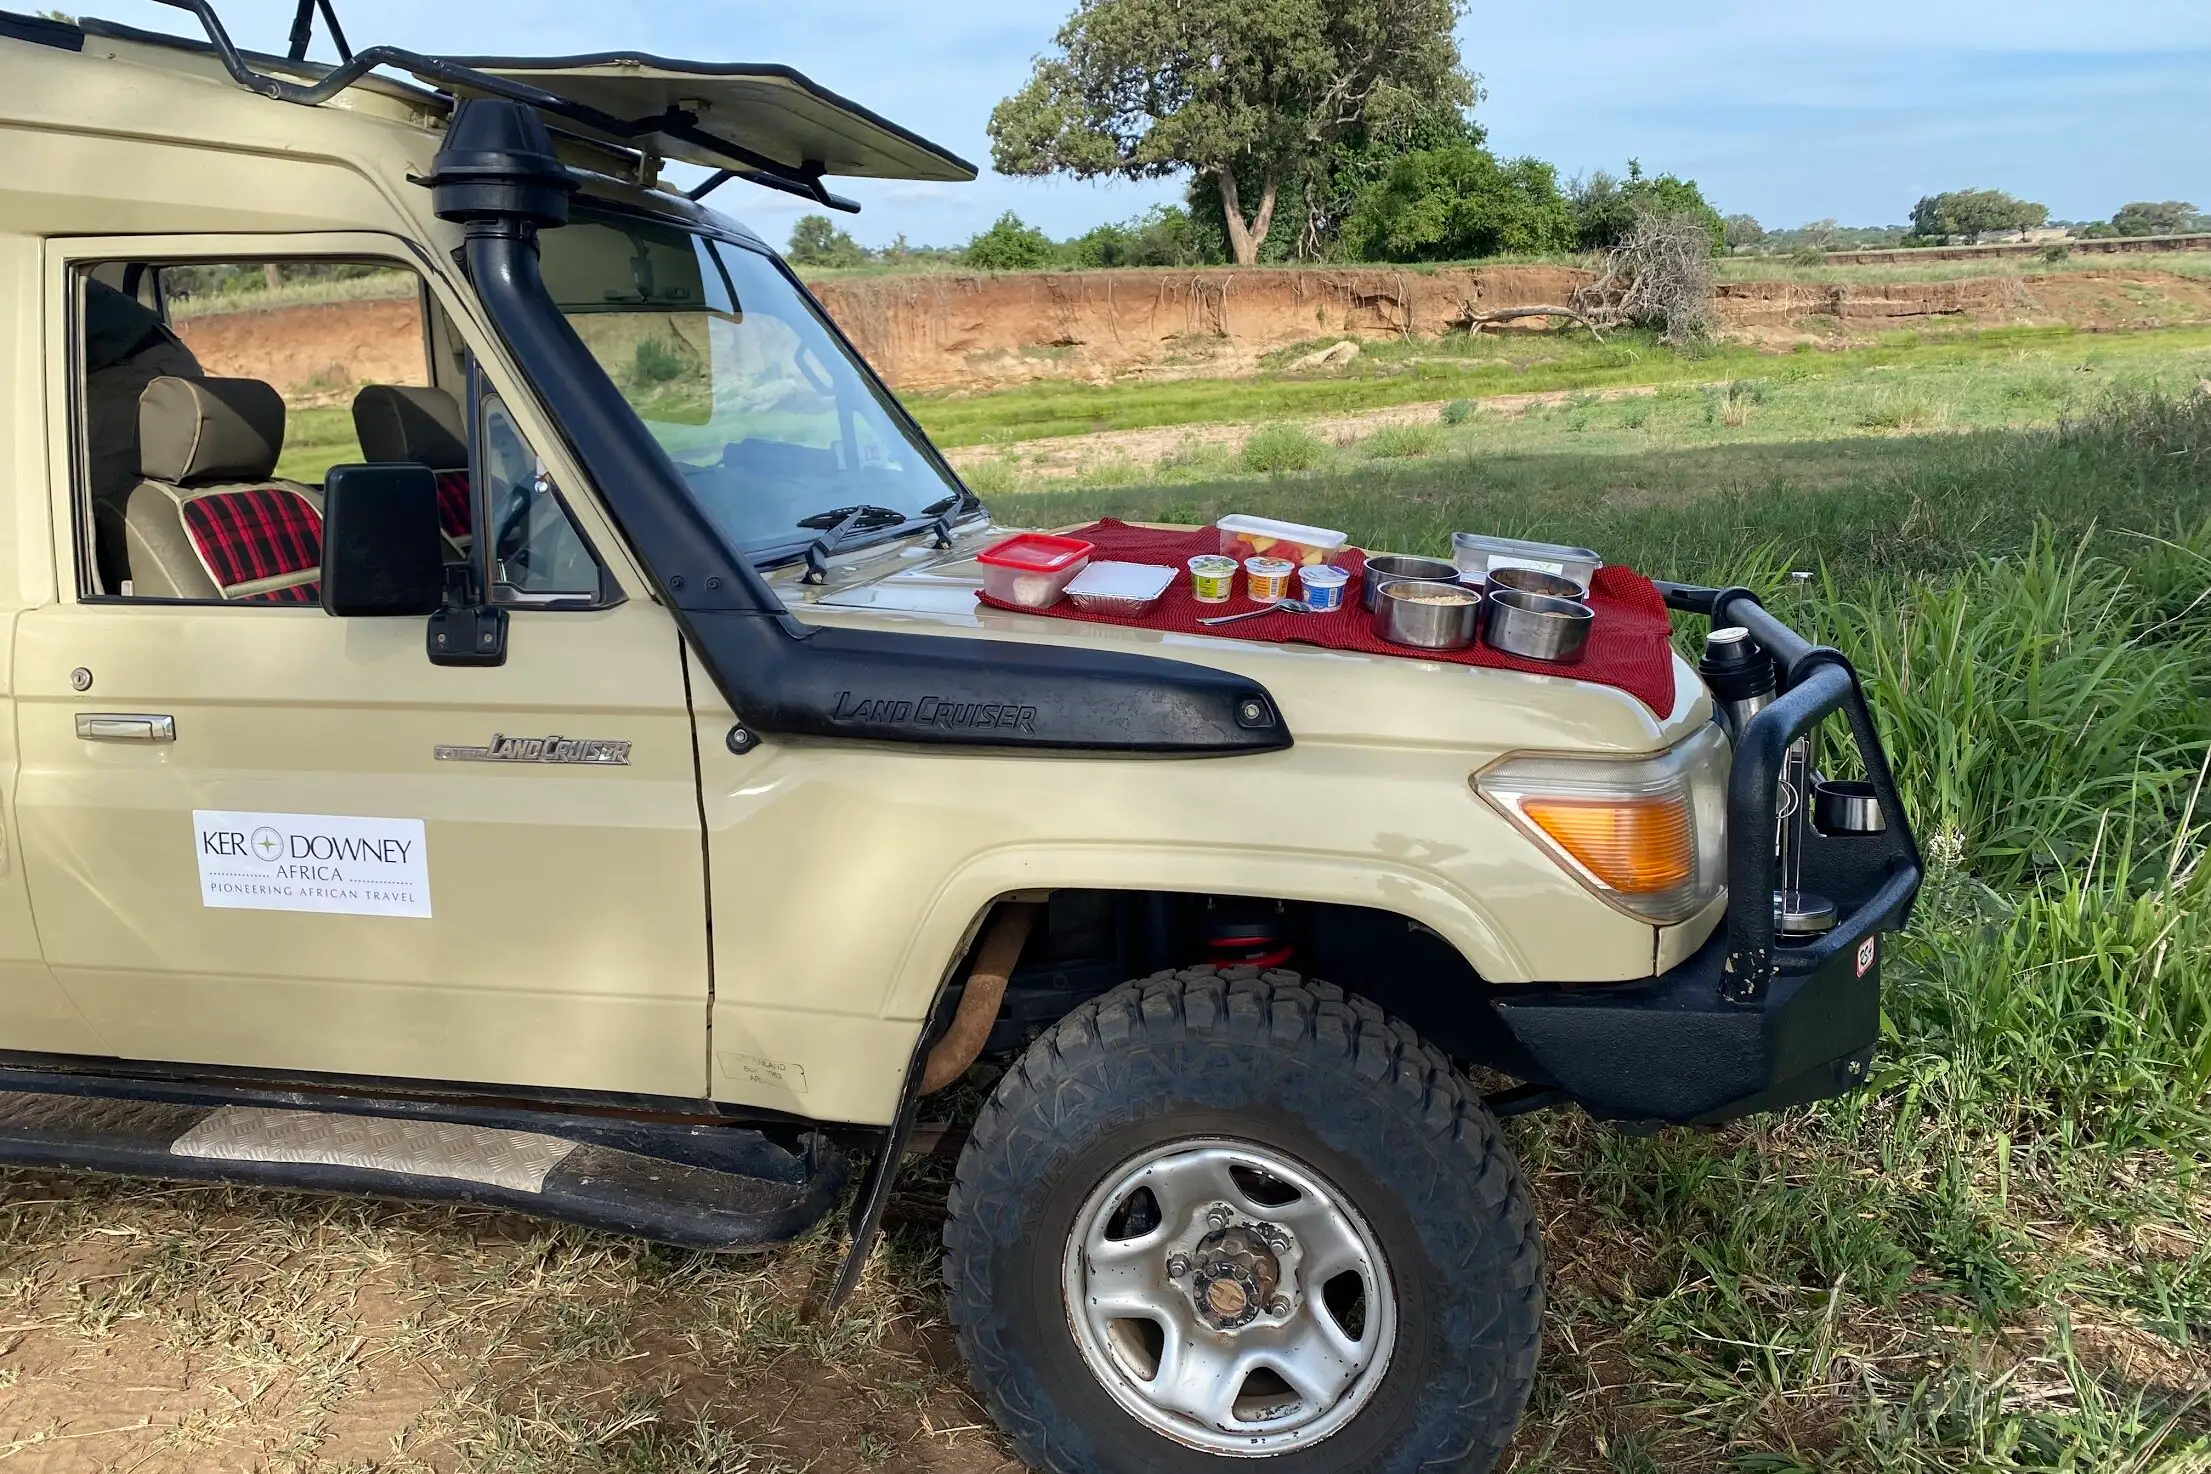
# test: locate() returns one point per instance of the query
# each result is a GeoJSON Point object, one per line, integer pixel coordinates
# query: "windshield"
{"type": "Point", "coordinates": [778, 431]}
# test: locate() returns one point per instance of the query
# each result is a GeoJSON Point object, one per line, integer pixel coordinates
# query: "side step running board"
{"type": "Point", "coordinates": [538, 1172]}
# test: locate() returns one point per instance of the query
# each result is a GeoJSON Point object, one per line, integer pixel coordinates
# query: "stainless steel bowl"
{"type": "Point", "coordinates": [1427, 614]}
{"type": "Point", "coordinates": [1385, 568]}
{"type": "Point", "coordinates": [1536, 581]}
{"type": "Point", "coordinates": [1847, 806]}
{"type": "Point", "coordinates": [1536, 626]}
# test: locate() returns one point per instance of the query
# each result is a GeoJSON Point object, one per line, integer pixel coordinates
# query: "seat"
{"type": "Point", "coordinates": [207, 519]}
{"type": "Point", "coordinates": [423, 427]}
{"type": "Point", "coordinates": [126, 347]}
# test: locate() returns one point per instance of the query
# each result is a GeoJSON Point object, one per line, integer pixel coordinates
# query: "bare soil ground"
{"type": "Point", "coordinates": [1067, 456]}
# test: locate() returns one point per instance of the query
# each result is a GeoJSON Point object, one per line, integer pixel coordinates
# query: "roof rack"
{"type": "Point", "coordinates": [818, 132]}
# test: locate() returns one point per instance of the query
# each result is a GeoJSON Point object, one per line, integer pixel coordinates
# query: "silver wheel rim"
{"type": "Point", "coordinates": [1228, 1297]}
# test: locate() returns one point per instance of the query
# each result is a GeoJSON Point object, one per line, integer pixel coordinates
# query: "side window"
{"type": "Point", "coordinates": [537, 555]}
{"type": "Point", "coordinates": [214, 397]}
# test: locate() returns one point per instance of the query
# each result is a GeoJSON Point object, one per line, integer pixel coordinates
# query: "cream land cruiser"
{"type": "Point", "coordinates": [605, 797]}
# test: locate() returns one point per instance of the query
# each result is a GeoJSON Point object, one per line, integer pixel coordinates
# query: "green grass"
{"type": "Point", "coordinates": [1997, 1258]}
{"type": "Point", "coordinates": [1392, 373]}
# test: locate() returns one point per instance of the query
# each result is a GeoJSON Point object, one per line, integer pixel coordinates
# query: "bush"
{"type": "Point", "coordinates": [1458, 412]}
{"type": "Point", "coordinates": [816, 241]}
{"type": "Point", "coordinates": [1165, 235]}
{"type": "Point", "coordinates": [1010, 245]}
{"type": "Point", "coordinates": [1606, 209]}
{"type": "Point", "coordinates": [656, 362]}
{"type": "Point", "coordinates": [1457, 203]}
{"type": "Point", "coordinates": [1278, 448]}
{"type": "Point", "coordinates": [1402, 442]}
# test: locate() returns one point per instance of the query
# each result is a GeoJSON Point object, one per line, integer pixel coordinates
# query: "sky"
{"type": "Point", "coordinates": [1789, 110]}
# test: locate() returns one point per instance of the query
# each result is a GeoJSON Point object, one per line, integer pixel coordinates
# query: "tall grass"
{"type": "Point", "coordinates": [1997, 1257]}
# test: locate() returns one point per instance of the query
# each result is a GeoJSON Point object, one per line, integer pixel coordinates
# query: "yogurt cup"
{"type": "Point", "coordinates": [1212, 578]}
{"type": "Point", "coordinates": [1324, 586]}
{"type": "Point", "coordinates": [1268, 579]}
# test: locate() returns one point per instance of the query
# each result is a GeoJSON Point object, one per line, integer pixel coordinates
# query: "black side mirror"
{"type": "Point", "coordinates": [381, 550]}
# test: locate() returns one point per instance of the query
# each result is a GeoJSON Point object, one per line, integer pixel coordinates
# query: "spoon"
{"type": "Point", "coordinates": [1286, 606]}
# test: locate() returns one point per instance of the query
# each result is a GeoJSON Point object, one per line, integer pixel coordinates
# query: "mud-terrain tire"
{"type": "Point", "coordinates": [1326, 1083]}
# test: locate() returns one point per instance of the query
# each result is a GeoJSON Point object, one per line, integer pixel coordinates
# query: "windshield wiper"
{"type": "Point", "coordinates": [846, 527]}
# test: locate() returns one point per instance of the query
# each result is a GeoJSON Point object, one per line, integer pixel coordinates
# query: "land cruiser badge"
{"type": "Point", "coordinates": [593, 752]}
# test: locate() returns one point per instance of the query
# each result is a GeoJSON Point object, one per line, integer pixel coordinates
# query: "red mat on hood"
{"type": "Point", "coordinates": [1630, 644]}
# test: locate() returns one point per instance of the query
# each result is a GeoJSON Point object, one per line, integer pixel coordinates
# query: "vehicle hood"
{"type": "Point", "coordinates": [1325, 695]}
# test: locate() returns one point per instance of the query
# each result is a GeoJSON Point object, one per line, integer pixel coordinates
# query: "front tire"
{"type": "Point", "coordinates": [1215, 1216]}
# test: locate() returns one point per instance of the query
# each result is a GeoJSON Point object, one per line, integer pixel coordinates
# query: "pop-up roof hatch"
{"type": "Point", "coordinates": [767, 125]}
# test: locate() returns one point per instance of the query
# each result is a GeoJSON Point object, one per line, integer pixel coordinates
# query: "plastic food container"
{"type": "Point", "coordinates": [1324, 585]}
{"type": "Point", "coordinates": [1268, 579]}
{"type": "Point", "coordinates": [1032, 568]}
{"type": "Point", "coordinates": [1212, 578]}
{"type": "Point", "coordinates": [1118, 588]}
{"type": "Point", "coordinates": [1256, 537]}
{"type": "Point", "coordinates": [1476, 553]}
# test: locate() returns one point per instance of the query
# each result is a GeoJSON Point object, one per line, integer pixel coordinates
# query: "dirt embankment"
{"type": "Point", "coordinates": [940, 332]}
{"type": "Point", "coordinates": [980, 331]}
{"type": "Point", "coordinates": [983, 332]}
{"type": "Point", "coordinates": [314, 354]}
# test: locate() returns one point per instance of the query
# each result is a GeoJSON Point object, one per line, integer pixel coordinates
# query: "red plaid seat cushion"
{"type": "Point", "coordinates": [254, 533]}
{"type": "Point", "coordinates": [453, 509]}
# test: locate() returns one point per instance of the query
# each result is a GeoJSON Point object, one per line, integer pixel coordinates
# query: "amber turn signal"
{"type": "Point", "coordinates": [1638, 847]}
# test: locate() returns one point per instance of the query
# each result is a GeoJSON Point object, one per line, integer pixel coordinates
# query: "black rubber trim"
{"type": "Point", "coordinates": [779, 675]}
{"type": "Point", "coordinates": [41, 30]}
{"type": "Point", "coordinates": [596, 1187]}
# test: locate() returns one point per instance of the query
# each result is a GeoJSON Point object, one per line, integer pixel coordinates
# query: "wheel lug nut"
{"type": "Point", "coordinates": [1278, 1306]}
{"type": "Point", "coordinates": [1177, 1267]}
{"type": "Point", "coordinates": [1218, 1218]}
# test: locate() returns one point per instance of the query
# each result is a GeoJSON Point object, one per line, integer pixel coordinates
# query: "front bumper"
{"type": "Point", "coordinates": [1749, 1022]}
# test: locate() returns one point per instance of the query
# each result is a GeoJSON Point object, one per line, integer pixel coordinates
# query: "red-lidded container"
{"type": "Point", "coordinates": [1031, 569]}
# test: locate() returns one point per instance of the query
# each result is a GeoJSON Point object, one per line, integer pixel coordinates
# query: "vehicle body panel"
{"type": "Point", "coordinates": [844, 877]}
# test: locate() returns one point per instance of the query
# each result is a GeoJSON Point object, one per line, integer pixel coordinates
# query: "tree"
{"type": "Point", "coordinates": [1974, 213]}
{"type": "Point", "coordinates": [815, 241]}
{"type": "Point", "coordinates": [1741, 232]}
{"type": "Point", "coordinates": [1010, 245]}
{"type": "Point", "coordinates": [1243, 93]}
{"type": "Point", "coordinates": [2168, 217]}
{"type": "Point", "coordinates": [1457, 203]}
{"type": "Point", "coordinates": [1606, 209]}
{"type": "Point", "coordinates": [1164, 235]}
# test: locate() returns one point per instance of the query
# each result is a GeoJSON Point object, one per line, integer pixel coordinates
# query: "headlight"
{"type": "Point", "coordinates": [1647, 834]}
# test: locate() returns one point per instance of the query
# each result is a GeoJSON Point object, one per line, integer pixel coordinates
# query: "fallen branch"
{"type": "Point", "coordinates": [1474, 322]}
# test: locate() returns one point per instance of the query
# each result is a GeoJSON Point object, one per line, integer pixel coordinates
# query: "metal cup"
{"type": "Point", "coordinates": [1535, 625]}
{"type": "Point", "coordinates": [1427, 614]}
{"type": "Point", "coordinates": [1536, 581]}
{"type": "Point", "coordinates": [1385, 568]}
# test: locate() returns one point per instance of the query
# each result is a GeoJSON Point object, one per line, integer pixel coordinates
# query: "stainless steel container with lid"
{"type": "Point", "coordinates": [1427, 614]}
{"type": "Point", "coordinates": [1535, 625]}
{"type": "Point", "coordinates": [1740, 676]}
{"type": "Point", "coordinates": [1385, 568]}
{"type": "Point", "coordinates": [1476, 552]}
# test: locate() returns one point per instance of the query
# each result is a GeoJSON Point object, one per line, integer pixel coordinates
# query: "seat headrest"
{"type": "Point", "coordinates": [202, 431]}
{"type": "Point", "coordinates": [420, 426]}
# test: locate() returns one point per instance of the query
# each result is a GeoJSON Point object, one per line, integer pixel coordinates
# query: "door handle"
{"type": "Point", "coordinates": [101, 726]}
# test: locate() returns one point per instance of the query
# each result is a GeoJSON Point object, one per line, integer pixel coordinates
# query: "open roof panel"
{"type": "Point", "coordinates": [768, 110]}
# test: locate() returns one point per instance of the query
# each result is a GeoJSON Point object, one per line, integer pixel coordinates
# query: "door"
{"type": "Point", "coordinates": [260, 836]}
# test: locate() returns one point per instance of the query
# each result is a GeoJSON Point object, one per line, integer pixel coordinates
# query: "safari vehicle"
{"type": "Point", "coordinates": [601, 793]}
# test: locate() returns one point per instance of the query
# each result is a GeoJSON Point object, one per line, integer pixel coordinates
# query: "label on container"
{"type": "Point", "coordinates": [1539, 565]}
